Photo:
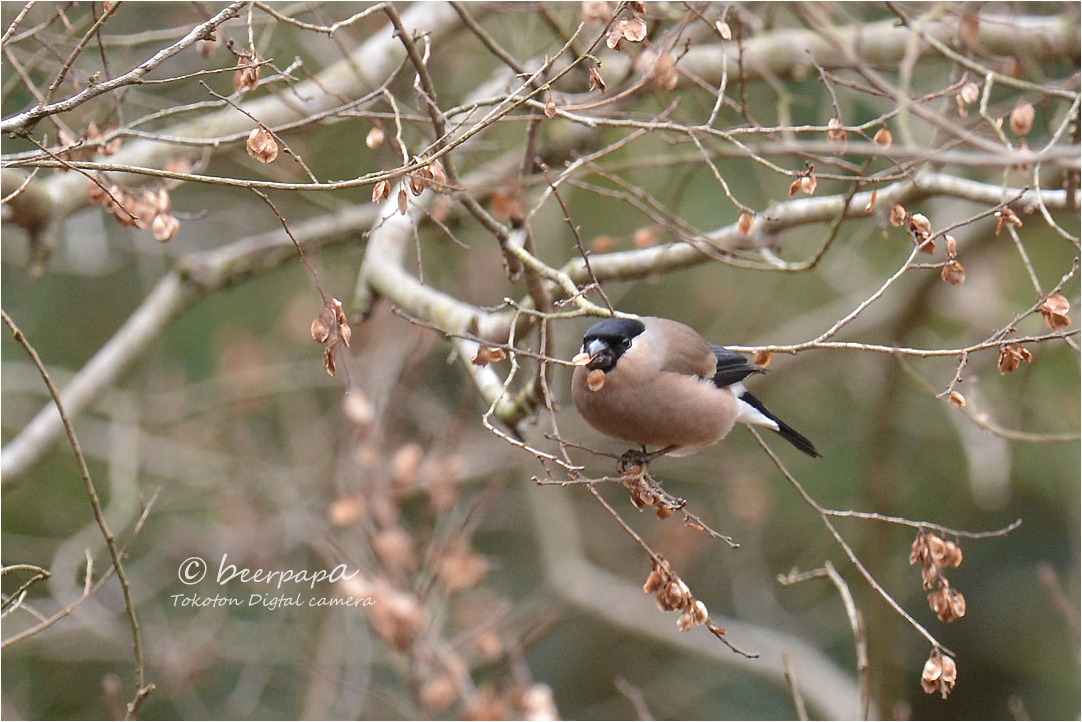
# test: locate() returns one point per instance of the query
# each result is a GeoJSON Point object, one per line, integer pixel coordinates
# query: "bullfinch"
{"type": "Point", "coordinates": [657, 382]}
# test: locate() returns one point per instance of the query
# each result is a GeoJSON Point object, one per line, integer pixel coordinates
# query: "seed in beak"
{"type": "Point", "coordinates": [581, 359]}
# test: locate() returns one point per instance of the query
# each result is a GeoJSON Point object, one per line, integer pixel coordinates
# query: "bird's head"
{"type": "Point", "coordinates": [606, 341]}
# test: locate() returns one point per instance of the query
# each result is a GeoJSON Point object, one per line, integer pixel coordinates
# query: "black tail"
{"type": "Point", "coordinates": [784, 430]}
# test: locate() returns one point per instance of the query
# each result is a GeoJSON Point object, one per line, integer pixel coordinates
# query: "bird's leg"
{"type": "Point", "coordinates": [645, 489]}
{"type": "Point", "coordinates": [633, 458]}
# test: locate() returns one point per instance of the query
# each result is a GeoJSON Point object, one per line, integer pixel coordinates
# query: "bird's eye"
{"type": "Point", "coordinates": [625, 343]}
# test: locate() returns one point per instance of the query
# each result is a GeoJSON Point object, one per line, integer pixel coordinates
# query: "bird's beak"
{"type": "Point", "coordinates": [582, 359]}
{"type": "Point", "coordinates": [592, 354]}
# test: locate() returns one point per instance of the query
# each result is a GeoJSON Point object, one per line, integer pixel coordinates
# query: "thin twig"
{"type": "Point", "coordinates": [142, 689]}
{"type": "Point", "coordinates": [825, 517]}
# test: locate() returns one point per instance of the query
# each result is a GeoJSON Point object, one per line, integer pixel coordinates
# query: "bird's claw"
{"type": "Point", "coordinates": [634, 461]}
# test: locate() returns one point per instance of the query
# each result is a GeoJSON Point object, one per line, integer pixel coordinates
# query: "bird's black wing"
{"type": "Point", "coordinates": [732, 367]}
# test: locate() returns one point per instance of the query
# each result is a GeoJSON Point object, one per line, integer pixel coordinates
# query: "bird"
{"type": "Point", "coordinates": [657, 382]}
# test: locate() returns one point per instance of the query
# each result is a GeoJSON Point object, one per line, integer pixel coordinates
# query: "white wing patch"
{"type": "Point", "coordinates": [748, 414]}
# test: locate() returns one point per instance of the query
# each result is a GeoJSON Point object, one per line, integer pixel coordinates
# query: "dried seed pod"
{"type": "Point", "coordinates": [247, 76]}
{"type": "Point", "coordinates": [920, 225]}
{"type": "Point", "coordinates": [596, 81]}
{"type": "Point", "coordinates": [952, 246]}
{"type": "Point", "coordinates": [947, 554]}
{"type": "Point", "coordinates": [346, 510]}
{"type": "Point", "coordinates": [596, 11]}
{"type": "Point", "coordinates": [724, 30]}
{"type": "Point", "coordinates": [486, 355]}
{"type": "Point", "coordinates": [897, 215]}
{"type": "Point", "coordinates": [603, 244]}
{"type": "Point", "coordinates": [261, 145]}
{"type": "Point", "coordinates": [381, 191]}
{"type": "Point", "coordinates": [1006, 217]}
{"type": "Point", "coordinates": [939, 674]}
{"type": "Point", "coordinates": [405, 463]}
{"type": "Point", "coordinates": [164, 226]}
{"type": "Point", "coordinates": [1011, 357]}
{"type": "Point", "coordinates": [929, 576]}
{"type": "Point", "coordinates": [674, 595]}
{"type": "Point", "coordinates": [439, 693]}
{"type": "Point", "coordinates": [665, 74]}
{"type": "Point", "coordinates": [634, 29]}
{"type": "Point", "coordinates": [653, 582]}
{"type": "Point", "coordinates": [918, 552]}
{"type": "Point", "coordinates": [395, 548]}
{"type": "Point", "coordinates": [947, 603]}
{"type": "Point", "coordinates": [1054, 309]}
{"type": "Point", "coordinates": [746, 223]}
{"type": "Point", "coordinates": [883, 138]}
{"type": "Point", "coordinates": [328, 361]}
{"type": "Point", "coordinates": [953, 273]}
{"type": "Point", "coordinates": [595, 380]}
{"type": "Point", "coordinates": [646, 237]}
{"type": "Point", "coordinates": [357, 407]}
{"type": "Point", "coordinates": [438, 175]}
{"type": "Point", "coordinates": [835, 130]}
{"type": "Point", "coordinates": [956, 400]}
{"type": "Point", "coordinates": [970, 93]}
{"type": "Point", "coordinates": [1022, 118]}
{"type": "Point", "coordinates": [460, 567]}
{"type": "Point", "coordinates": [375, 137]}
{"type": "Point", "coordinates": [344, 331]}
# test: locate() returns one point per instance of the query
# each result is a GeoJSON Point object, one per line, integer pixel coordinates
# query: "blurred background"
{"type": "Point", "coordinates": [495, 596]}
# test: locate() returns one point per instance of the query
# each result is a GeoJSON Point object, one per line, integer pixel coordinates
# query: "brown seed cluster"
{"type": "Point", "coordinates": [673, 595]}
{"type": "Point", "coordinates": [91, 144]}
{"type": "Point", "coordinates": [432, 175]}
{"type": "Point", "coordinates": [247, 75]}
{"type": "Point", "coordinates": [939, 674]}
{"type": "Point", "coordinates": [631, 28]}
{"type": "Point", "coordinates": [646, 492]}
{"type": "Point", "coordinates": [331, 328]}
{"type": "Point", "coordinates": [805, 181]}
{"type": "Point", "coordinates": [935, 554]}
{"type": "Point", "coordinates": [424, 583]}
{"type": "Point", "coordinates": [151, 209]}
{"type": "Point", "coordinates": [920, 229]}
{"type": "Point", "coordinates": [1006, 217]}
{"type": "Point", "coordinates": [1011, 357]}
